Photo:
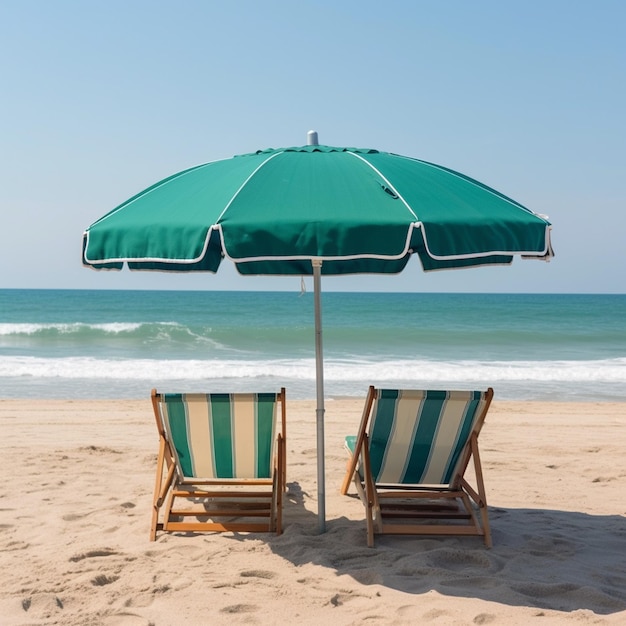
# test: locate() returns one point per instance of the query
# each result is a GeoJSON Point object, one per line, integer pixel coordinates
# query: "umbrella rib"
{"type": "Point", "coordinates": [475, 183]}
{"type": "Point", "coordinates": [387, 182]}
{"type": "Point", "coordinates": [150, 189]}
{"type": "Point", "coordinates": [419, 224]}
{"type": "Point", "coordinates": [245, 182]}
{"type": "Point", "coordinates": [218, 227]}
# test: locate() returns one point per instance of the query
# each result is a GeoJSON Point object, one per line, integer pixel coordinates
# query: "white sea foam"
{"type": "Point", "coordinates": [24, 329]}
{"type": "Point", "coordinates": [607, 370]}
{"type": "Point", "coordinates": [66, 328]}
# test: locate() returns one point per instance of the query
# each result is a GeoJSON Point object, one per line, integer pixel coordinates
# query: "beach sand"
{"type": "Point", "coordinates": [76, 503]}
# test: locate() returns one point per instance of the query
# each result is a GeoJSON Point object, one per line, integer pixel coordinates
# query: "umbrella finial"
{"type": "Point", "coordinates": [311, 138]}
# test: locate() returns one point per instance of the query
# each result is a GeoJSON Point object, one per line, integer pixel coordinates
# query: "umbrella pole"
{"type": "Point", "coordinates": [319, 377]}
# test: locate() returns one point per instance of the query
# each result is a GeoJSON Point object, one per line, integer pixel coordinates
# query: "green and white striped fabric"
{"type": "Point", "coordinates": [417, 437]}
{"type": "Point", "coordinates": [220, 436]}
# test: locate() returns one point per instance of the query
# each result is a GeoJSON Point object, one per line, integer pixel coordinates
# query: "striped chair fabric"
{"type": "Point", "coordinates": [417, 437]}
{"type": "Point", "coordinates": [221, 435]}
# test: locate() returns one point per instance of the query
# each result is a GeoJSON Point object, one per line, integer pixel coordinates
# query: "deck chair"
{"type": "Point", "coordinates": [409, 458]}
{"type": "Point", "coordinates": [221, 462]}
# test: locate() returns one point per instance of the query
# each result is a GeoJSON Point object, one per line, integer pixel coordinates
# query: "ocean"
{"type": "Point", "coordinates": [120, 344]}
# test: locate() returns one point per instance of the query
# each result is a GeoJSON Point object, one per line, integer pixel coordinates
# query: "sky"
{"type": "Point", "coordinates": [100, 99]}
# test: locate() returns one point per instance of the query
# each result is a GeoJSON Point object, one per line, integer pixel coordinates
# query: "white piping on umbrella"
{"type": "Point", "coordinates": [154, 187]}
{"type": "Point", "coordinates": [245, 182]}
{"type": "Point", "coordinates": [234, 259]}
{"type": "Point", "coordinates": [307, 257]}
{"type": "Point", "coordinates": [545, 254]}
{"type": "Point", "coordinates": [406, 204]}
{"type": "Point", "coordinates": [474, 182]}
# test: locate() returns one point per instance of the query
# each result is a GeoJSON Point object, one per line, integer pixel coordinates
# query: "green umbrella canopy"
{"type": "Point", "coordinates": [358, 210]}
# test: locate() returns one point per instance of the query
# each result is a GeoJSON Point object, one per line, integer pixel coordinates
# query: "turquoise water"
{"type": "Point", "coordinates": [74, 343]}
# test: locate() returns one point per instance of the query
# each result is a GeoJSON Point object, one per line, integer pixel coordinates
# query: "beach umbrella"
{"type": "Point", "coordinates": [315, 210]}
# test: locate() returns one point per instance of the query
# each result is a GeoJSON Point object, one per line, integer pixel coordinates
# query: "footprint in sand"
{"type": "Point", "coordinates": [125, 619]}
{"type": "Point", "coordinates": [93, 554]}
{"type": "Point", "coordinates": [603, 479]}
{"type": "Point", "coordinates": [101, 580]}
{"type": "Point", "coordinates": [42, 605]}
{"type": "Point", "coordinates": [257, 573]}
{"type": "Point", "coordinates": [555, 547]}
{"type": "Point", "coordinates": [100, 450]}
{"type": "Point", "coordinates": [558, 596]}
{"type": "Point", "coordinates": [341, 598]}
{"type": "Point", "coordinates": [12, 546]}
{"type": "Point", "coordinates": [145, 599]}
{"type": "Point", "coordinates": [544, 590]}
{"type": "Point", "coordinates": [240, 608]}
{"type": "Point", "coordinates": [457, 560]}
{"type": "Point", "coordinates": [472, 582]}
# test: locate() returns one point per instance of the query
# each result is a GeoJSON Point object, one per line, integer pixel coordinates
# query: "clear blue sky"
{"type": "Point", "coordinates": [101, 99]}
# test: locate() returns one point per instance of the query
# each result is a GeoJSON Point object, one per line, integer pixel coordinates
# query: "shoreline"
{"type": "Point", "coordinates": [298, 401]}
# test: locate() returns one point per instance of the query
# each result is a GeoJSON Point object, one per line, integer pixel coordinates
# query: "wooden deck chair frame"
{"type": "Point", "coordinates": [227, 504]}
{"type": "Point", "coordinates": [421, 509]}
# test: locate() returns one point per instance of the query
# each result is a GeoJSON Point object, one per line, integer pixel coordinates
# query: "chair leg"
{"type": "Point", "coordinates": [480, 484]}
{"type": "Point", "coordinates": [358, 485]}
{"type": "Point", "coordinates": [345, 485]}
{"type": "Point", "coordinates": [372, 508]}
{"type": "Point", "coordinates": [157, 490]}
{"type": "Point", "coordinates": [278, 489]}
{"type": "Point", "coordinates": [486, 528]}
{"type": "Point", "coordinates": [153, 524]}
{"type": "Point", "coordinates": [280, 483]}
{"type": "Point", "coordinates": [167, 513]}
{"type": "Point", "coordinates": [279, 514]}
{"type": "Point", "coordinates": [470, 510]}
{"type": "Point", "coordinates": [370, 525]}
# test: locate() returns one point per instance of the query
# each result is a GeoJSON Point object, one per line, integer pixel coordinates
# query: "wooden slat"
{"type": "Point", "coordinates": [217, 527]}
{"type": "Point", "coordinates": [442, 529]}
{"type": "Point", "coordinates": [222, 513]}
{"type": "Point", "coordinates": [228, 482]}
{"type": "Point", "coordinates": [416, 514]}
{"type": "Point", "coordinates": [222, 494]}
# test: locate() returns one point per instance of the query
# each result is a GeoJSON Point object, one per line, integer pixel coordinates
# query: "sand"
{"type": "Point", "coordinates": [75, 513]}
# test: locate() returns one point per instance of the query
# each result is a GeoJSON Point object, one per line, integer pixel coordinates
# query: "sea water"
{"type": "Point", "coordinates": [120, 344]}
